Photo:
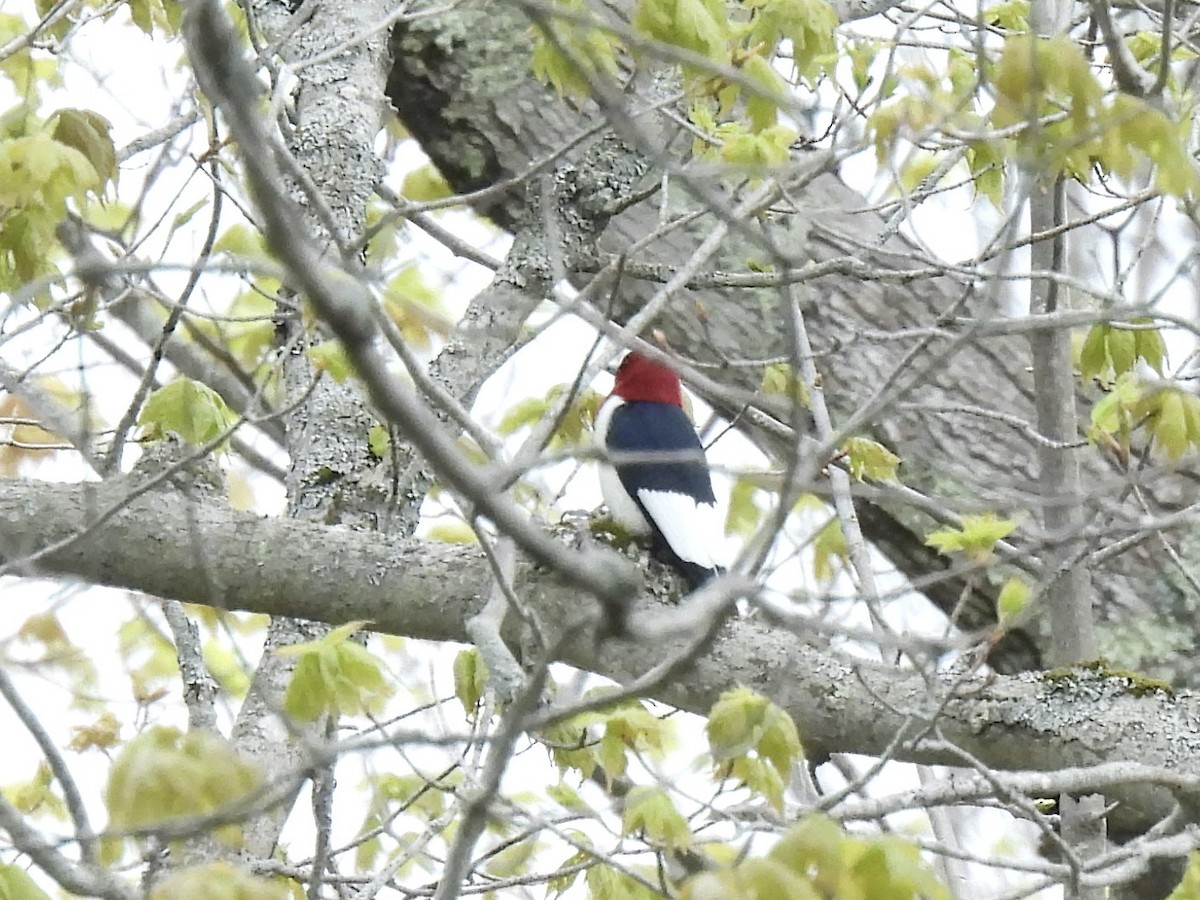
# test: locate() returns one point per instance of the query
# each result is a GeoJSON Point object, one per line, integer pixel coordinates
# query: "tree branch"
{"type": "Point", "coordinates": [158, 545]}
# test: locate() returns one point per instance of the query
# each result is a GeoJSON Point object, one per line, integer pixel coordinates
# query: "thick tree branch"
{"type": "Point", "coordinates": [427, 590]}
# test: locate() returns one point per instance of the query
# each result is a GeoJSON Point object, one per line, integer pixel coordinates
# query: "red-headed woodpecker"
{"type": "Point", "coordinates": [671, 499]}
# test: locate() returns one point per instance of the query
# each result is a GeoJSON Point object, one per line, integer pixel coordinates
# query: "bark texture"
{"type": "Point", "coordinates": [164, 543]}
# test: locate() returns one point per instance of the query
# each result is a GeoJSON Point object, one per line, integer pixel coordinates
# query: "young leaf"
{"type": "Point", "coordinates": [701, 26]}
{"type": "Point", "coordinates": [649, 810]}
{"type": "Point", "coordinates": [976, 539]}
{"type": "Point", "coordinates": [574, 56]}
{"type": "Point", "coordinates": [330, 356]}
{"type": "Point", "coordinates": [334, 675]}
{"type": "Point", "coordinates": [1093, 357]}
{"type": "Point", "coordinates": [188, 408]}
{"type": "Point", "coordinates": [163, 775]}
{"type": "Point", "coordinates": [830, 551]}
{"type": "Point", "coordinates": [1013, 599]}
{"type": "Point", "coordinates": [379, 441]}
{"type": "Point", "coordinates": [470, 679]}
{"type": "Point", "coordinates": [753, 740]}
{"type": "Point", "coordinates": [870, 459]}
{"type": "Point", "coordinates": [425, 183]}
{"type": "Point", "coordinates": [744, 515]}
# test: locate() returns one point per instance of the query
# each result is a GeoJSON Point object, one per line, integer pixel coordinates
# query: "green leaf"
{"type": "Point", "coordinates": [425, 183]}
{"type": "Point", "coordinates": [37, 794]}
{"type": "Point", "coordinates": [186, 216]}
{"type": "Point", "coordinates": [976, 539]}
{"type": "Point", "coordinates": [1112, 417]}
{"type": "Point", "coordinates": [243, 241]}
{"type": "Point", "coordinates": [89, 133]}
{"type": "Point", "coordinates": [735, 723]}
{"type": "Point", "coordinates": [753, 740]}
{"type": "Point", "coordinates": [753, 878]}
{"type": "Point", "coordinates": [986, 164]}
{"type": "Point", "coordinates": [778, 378]}
{"type": "Point", "coordinates": [1189, 887]}
{"type": "Point", "coordinates": [1013, 599]}
{"type": "Point", "coordinates": [470, 679]}
{"type": "Point", "coordinates": [1093, 358]}
{"type": "Point", "coordinates": [762, 106]}
{"type": "Point", "coordinates": [810, 25]}
{"type": "Point", "coordinates": [163, 775]}
{"type": "Point", "coordinates": [606, 883]}
{"type": "Point", "coordinates": [335, 675]}
{"type": "Point", "coordinates": [630, 726]}
{"type": "Point", "coordinates": [870, 459]}
{"type": "Point", "coordinates": [649, 810]}
{"type": "Point", "coordinates": [1149, 345]}
{"type": "Point", "coordinates": [568, 798]}
{"type": "Point", "coordinates": [743, 515]}
{"type": "Point", "coordinates": [1170, 420]}
{"type": "Point", "coordinates": [572, 57]}
{"type": "Point", "coordinates": [330, 356]}
{"type": "Point", "coordinates": [512, 860]}
{"type": "Point", "coordinates": [763, 149]}
{"type": "Point", "coordinates": [572, 426]}
{"type": "Point", "coordinates": [379, 441]}
{"type": "Point", "coordinates": [524, 414]}
{"type": "Point", "coordinates": [15, 884]}
{"type": "Point", "coordinates": [830, 551]}
{"type": "Point", "coordinates": [701, 26]}
{"type": "Point", "coordinates": [1012, 15]}
{"type": "Point", "coordinates": [188, 408]}
{"type": "Point", "coordinates": [455, 532]}
{"type": "Point", "coordinates": [1121, 344]}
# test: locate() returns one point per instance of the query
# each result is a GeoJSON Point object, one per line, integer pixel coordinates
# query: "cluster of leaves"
{"type": "Point", "coordinates": [1050, 112]}
{"type": "Point", "coordinates": [975, 538]}
{"type": "Point", "coordinates": [1071, 123]}
{"type": "Point", "coordinates": [730, 63]}
{"type": "Point", "coordinates": [335, 675]}
{"type": "Point", "coordinates": [572, 426]}
{"type": "Point", "coordinates": [163, 775]}
{"type": "Point", "coordinates": [600, 741]}
{"type": "Point", "coordinates": [1110, 351]}
{"type": "Point", "coordinates": [46, 165]}
{"type": "Point", "coordinates": [816, 859]}
{"type": "Point", "coordinates": [754, 742]}
{"type": "Point", "coordinates": [187, 408]}
{"type": "Point", "coordinates": [1166, 413]}
{"type": "Point", "coordinates": [222, 881]}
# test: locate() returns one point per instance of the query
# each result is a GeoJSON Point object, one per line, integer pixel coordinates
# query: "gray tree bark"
{"type": "Point", "coordinates": [164, 543]}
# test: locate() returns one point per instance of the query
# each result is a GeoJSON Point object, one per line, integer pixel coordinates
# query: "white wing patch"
{"type": "Point", "coordinates": [692, 529]}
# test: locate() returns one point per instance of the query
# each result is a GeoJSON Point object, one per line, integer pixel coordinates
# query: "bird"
{"type": "Point", "coordinates": [670, 500]}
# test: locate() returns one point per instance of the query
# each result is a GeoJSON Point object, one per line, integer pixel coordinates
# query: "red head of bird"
{"type": "Point", "coordinates": [640, 378]}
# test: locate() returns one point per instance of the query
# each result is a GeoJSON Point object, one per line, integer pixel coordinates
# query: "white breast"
{"type": "Point", "coordinates": [620, 505]}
